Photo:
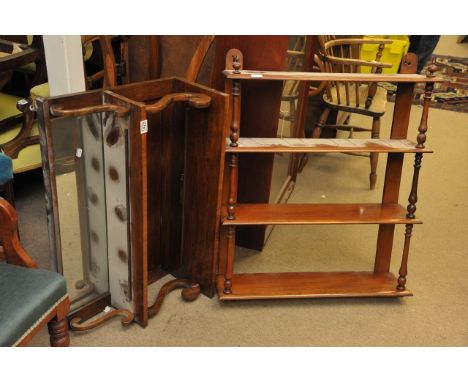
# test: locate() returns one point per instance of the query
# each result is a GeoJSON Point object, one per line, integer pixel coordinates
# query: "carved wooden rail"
{"type": "Point", "coordinates": [59, 111]}
{"type": "Point", "coordinates": [196, 100]}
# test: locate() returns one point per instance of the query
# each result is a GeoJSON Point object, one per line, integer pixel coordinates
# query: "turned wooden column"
{"type": "Point", "coordinates": [234, 60]}
{"type": "Point", "coordinates": [373, 86]}
{"type": "Point", "coordinates": [58, 331]}
{"type": "Point", "coordinates": [413, 197]}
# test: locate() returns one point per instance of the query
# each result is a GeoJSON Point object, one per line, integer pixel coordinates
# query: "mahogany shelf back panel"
{"type": "Point", "coordinates": [260, 110]}
{"type": "Point", "coordinates": [152, 57]}
{"type": "Point", "coordinates": [143, 58]}
{"type": "Point", "coordinates": [394, 167]}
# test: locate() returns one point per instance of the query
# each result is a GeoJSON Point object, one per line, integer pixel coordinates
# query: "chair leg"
{"type": "Point", "coordinates": [58, 331]}
{"type": "Point", "coordinates": [374, 157]}
{"type": "Point", "coordinates": [320, 123]}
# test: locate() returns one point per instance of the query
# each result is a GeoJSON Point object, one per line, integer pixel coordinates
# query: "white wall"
{"type": "Point", "coordinates": [64, 59]}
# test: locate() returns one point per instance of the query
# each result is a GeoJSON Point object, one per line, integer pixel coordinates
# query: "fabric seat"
{"type": "Point", "coordinates": [6, 169]}
{"type": "Point", "coordinates": [26, 296]}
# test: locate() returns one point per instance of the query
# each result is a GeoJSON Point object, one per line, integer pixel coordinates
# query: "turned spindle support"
{"type": "Point", "coordinates": [233, 174]}
{"type": "Point", "coordinates": [235, 122]}
{"type": "Point", "coordinates": [413, 198]}
{"type": "Point", "coordinates": [403, 272]}
{"type": "Point", "coordinates": [234, 61]}
{"type": "Point", "coordinates": [231, 242]}
{"type": "Point", "coordinates": [421, 138]}
{"type": "Point", "coordinates": [373, 86]}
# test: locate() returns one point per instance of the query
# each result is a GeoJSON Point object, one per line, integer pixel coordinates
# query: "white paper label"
{"type": "Point", "coordinates": [144, 126]}
{"type": "Point", "coordinates": [256, 75]}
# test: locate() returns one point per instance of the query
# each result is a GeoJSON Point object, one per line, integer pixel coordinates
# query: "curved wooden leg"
{"type": "Point", "coordinates": [190, 292]}
{"type": "Point", "coordinates": [374, 157]}
{"type": "Point", "coordinates": [58, 331]}
{"type": "Point", "coordinates": [127, 319]}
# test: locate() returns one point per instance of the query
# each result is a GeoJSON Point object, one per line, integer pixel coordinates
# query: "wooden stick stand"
{"type": "Point", "coordinates": [161, 191]}
{"type": "Point", "coordinates": [381, 282]}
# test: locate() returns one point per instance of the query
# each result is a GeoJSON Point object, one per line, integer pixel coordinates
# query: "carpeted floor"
{"type": "Point", "coordinates": [435, 316]}
{"type": "Point", "coordinates": [452, 94]}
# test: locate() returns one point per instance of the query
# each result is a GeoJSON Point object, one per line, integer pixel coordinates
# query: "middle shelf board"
{"type": "Point", "coordinates": [301, 214]}
{"type": "Point", "coordinates": [323, 145]}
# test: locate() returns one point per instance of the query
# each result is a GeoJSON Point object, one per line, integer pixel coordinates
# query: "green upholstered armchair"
{"type": "Point", "coordinates": [19, 137]}
{"type": "Point", "coordinates": [30, 298]}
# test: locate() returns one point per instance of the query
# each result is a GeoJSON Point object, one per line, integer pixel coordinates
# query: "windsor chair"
{"type": "Point", "coordinates": [342, 56]}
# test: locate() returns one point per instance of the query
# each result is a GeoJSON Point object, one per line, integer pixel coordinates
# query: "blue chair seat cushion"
{"type": "Point", "coordinates": [26, 295]}
{"type": "Point", "coordinates": [6, 169]}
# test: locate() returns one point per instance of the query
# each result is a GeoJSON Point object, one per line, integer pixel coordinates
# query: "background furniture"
{"type": "Point", "coordinates": [18, 133]}
{"type": "Point", "coordinates": [260, 117]}
{"type": "Point", "coordinates": [29, 298]}
{"type": "Point", "coordinates": [342, 56]}
{"type": "Point", "coordinates": [381, 282]}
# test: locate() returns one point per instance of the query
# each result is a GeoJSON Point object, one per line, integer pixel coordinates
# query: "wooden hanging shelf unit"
{"type": "Point", "coordinates": [379, 283]}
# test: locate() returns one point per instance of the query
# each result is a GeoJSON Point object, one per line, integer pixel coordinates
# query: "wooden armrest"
{"type": "Point", "coordinates": [10, 122]}
{"type": "Point", "coordinates": [296, 53]}
{"type": "Point", "coordinates": [359, 62]}
{"type": "Point", "coordinates": [356, 41]}
{"type": "Point", "coordinates": [12, 249]}
{"type": "Point", "coordinates": [317, 90]}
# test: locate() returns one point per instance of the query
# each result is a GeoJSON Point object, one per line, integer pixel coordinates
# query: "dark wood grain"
{"type": "Point", "coordinates": [399, 130]}
{"type": "Point", "coordinates": [297, 214]}
{"type": "Point", "coordinates": [260, 108]}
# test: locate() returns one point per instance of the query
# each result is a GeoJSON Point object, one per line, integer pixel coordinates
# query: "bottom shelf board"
{"type": "Point", "coordinates": [253, 286]}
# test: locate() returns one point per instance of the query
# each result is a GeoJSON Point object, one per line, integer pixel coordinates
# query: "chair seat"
{"type": "Point", "coordinates": [26, 296]}
{"type": "Point", "coordinates": [8, 105]}
{"type": "Point", "coordinates": [377, 107]}
{"type": "Point", "coordinates": [29, 158]}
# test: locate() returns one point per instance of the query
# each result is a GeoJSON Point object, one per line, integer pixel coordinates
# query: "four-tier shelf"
{"type": "Point", "coordinates": [388, 213]}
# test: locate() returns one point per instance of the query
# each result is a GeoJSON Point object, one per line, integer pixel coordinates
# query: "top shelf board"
{"type": "Point", "coordinates": [347, 77]}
